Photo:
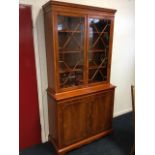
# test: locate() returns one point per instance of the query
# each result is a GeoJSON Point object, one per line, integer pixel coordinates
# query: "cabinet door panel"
{"type": "Point", "coordinates": [85, 116]}
{"type": "Point", "coordinates": [101, 112]}
{"type": "Point", "coordinates": [74, 120]}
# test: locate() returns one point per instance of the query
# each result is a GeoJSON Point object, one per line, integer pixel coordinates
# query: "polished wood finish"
{"type": "Point", "coordinates": [80, 91]}
{"type": "Point", "coordinates": [48, 5]}
{"type": "Point", "coordinates": [85, 141]}
{"type": "Point", "coordinates": [50, 56]}
{"type": "Point", "coordinates": [80, 96]}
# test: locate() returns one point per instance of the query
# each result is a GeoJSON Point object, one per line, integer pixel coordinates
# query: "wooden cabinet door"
{"type": "Point", "coordinates": [74, 119]}
{"type": "Point", "coordinates": [101, 112]}
{"type": "Point", "coordinates": [85, 116]}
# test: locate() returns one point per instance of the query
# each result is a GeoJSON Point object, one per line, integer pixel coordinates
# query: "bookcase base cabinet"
{"type": "Point", "coordinates": [80, 120]}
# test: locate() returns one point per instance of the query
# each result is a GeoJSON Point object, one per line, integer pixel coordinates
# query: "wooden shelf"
{"type": "Point", "coordinates": [69, 31]}
{"type": "Point", "coordinates": [62, 71]}
{"type": "Point", "coordinates": [97, 32]}
{"type": "Point", "coordinates": [96, 67]}
{"type": "Point", "coordinates": [96, 50]}
{"type": "Point", "coordinates": [78, 51]}
{"type": "Point", "coordinates": [94, 81]}
{"type": "Point", "coordinates": [64, 52]}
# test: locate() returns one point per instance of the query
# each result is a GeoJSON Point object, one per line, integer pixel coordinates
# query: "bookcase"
{"type": "Point", "coordinates": [80, 96]}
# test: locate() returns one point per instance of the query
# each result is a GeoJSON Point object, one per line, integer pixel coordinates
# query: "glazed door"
{"type": "Point", "coordinates": [83, 50]}
{"type": "Point", "coordinates": [98, 49]}
{"type": "Point", "coordinates": [71, 50]}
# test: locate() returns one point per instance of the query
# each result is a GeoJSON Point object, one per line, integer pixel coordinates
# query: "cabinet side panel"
{"type": "Point", "coordinates": [52, 115]}
{"type": "Point", "coordinates": [110, 48]}
{"type": "Point", "coordinates": [49, 49]}
{"type": "Point", "coordinates": [109, 104]}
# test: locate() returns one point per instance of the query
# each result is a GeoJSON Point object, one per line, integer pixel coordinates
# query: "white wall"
{"type": "Point", "coordinates": [122, 72]}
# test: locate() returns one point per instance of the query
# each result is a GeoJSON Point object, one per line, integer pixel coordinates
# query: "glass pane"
{"type": "Point", "coordinates": [71, 43]}
{"type": "Point", "coordinates": [99, 32]}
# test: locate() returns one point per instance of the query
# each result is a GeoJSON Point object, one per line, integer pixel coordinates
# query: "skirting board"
{"type": "Point", "coordinates": [122, 112]}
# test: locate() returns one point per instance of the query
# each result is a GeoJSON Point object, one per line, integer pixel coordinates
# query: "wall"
{"type": "Point", "coordinates": [122, 72]}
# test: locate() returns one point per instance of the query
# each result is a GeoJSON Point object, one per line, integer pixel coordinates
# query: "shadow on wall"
{"type": "Point", "coordinates": [42, 77]}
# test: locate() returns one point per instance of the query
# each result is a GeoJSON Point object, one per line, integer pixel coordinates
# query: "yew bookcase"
{"type": "Point", "coordinates": [78, 50]}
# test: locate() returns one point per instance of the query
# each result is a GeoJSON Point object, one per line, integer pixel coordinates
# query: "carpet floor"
{"type": "Point", "coordinates": [118, 143]}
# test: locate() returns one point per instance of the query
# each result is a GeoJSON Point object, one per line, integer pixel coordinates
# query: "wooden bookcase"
{"type": "Point", "coordinates": [80, 96]}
